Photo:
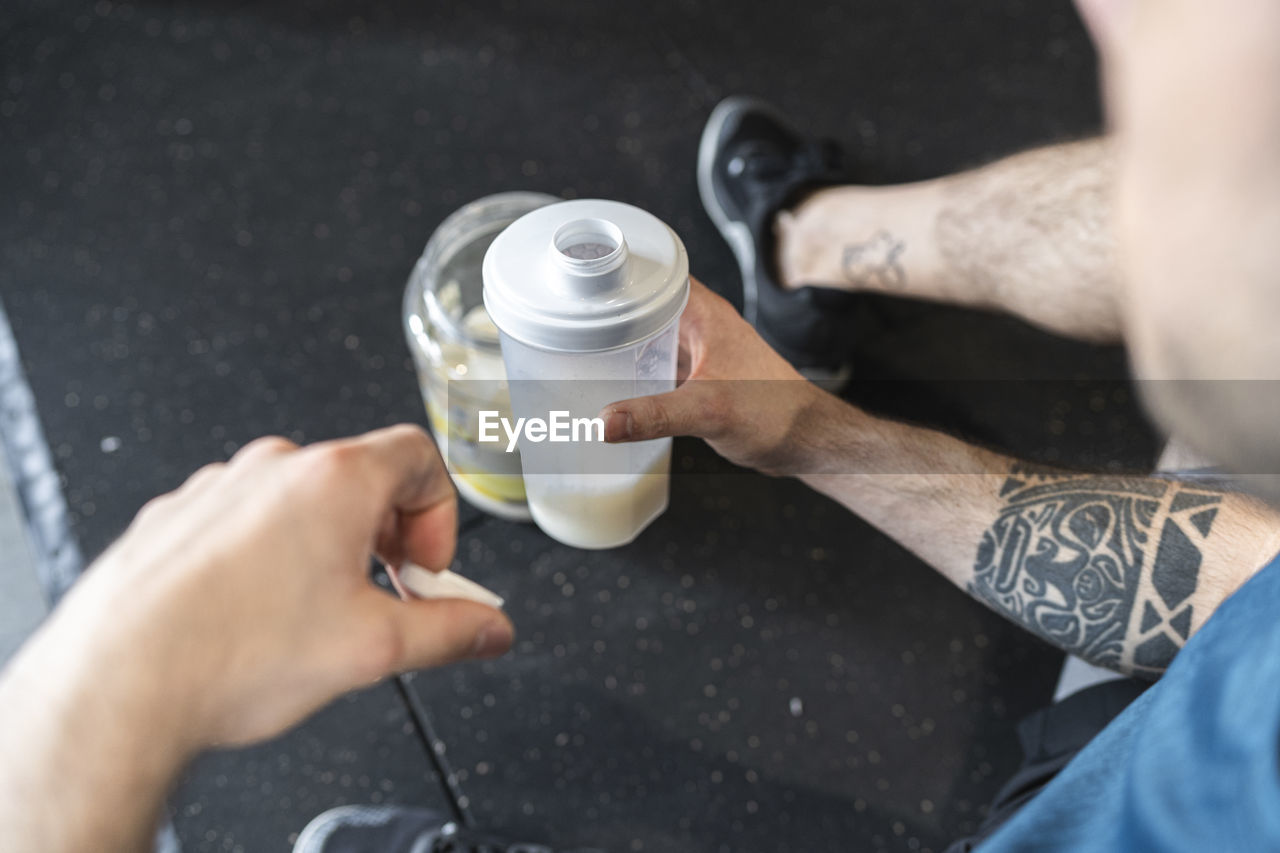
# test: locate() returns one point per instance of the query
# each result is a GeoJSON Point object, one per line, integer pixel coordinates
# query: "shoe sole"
{"type": "Point", "coordinates": [736, 234]}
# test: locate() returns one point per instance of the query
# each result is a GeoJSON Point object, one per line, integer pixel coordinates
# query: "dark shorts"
{"type": "Point", "coordinates": [1050, 739]}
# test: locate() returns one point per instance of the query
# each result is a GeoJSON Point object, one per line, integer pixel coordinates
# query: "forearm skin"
{"type": "Point", "coordinates": [1118, 569]}
{"type": "Point", "coordinates": [90, 742]}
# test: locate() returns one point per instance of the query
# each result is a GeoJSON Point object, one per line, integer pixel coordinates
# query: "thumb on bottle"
{"type": "Point", "coordinates": [659, 416]}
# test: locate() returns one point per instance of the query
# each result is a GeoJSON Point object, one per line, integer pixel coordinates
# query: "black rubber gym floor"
{"type": "Point", "coordinates": [209, 213]}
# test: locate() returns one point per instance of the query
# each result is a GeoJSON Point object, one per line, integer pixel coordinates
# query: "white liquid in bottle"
{"type": "Point", "coordinates": [600, 510]}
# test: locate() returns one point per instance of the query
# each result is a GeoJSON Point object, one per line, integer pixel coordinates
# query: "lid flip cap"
{"type": "Point", "coordinates": [585, 276]}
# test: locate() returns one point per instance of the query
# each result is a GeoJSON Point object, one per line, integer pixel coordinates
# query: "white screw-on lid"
{"type": "Point", "coordinates": [585, 276]}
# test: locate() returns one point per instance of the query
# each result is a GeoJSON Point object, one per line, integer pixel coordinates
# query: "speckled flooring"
{"type": "Point", "coordinates": [210, 210]}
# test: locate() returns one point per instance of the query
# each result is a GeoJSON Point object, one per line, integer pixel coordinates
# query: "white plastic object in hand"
{"type": "Point", "coordinates": [424, 583]}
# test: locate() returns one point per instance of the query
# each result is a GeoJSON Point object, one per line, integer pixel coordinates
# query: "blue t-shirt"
{"type": "Point", "coordinates": [1193, 764]}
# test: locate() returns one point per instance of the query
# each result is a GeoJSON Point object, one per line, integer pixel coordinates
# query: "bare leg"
{"type": "Point", "coordinates": [1029, 234]}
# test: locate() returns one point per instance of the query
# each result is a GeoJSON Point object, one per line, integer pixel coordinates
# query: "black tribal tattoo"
{"type": "Point", "coordinates": [875, 264]}
{"type": "Point", "coordinates": [1101, 566]}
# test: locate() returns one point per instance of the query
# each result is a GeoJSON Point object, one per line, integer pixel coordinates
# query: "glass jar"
{"type": "Point", "coordinates": [455, 350]}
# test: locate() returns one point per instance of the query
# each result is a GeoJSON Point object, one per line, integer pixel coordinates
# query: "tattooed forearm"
{"type": "Point", "coordinates": [1104, 567]}
{"type": "Point", "coordinates": [875, 264]}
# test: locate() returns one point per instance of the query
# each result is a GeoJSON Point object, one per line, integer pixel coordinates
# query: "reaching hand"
{"type": "Point", "coordinates": [244, 596]}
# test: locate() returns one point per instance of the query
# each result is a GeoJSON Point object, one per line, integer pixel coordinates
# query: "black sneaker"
{"type": "Point", "coordinates": [399, 829]}
{"type": "Point", "coordinates": [751, 164]}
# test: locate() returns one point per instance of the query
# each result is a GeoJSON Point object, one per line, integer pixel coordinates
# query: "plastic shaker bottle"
{"type": "Point", "coordinates": [587, 297]}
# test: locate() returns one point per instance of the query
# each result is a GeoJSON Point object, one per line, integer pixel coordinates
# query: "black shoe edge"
{"type": "Point", "coordinates": [743, 244]}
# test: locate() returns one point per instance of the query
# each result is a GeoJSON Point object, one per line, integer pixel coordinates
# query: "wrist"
{"type": "Point", "coordinates": [84, 728]}
{"type": "Point", "coordinates": [108, 675]}
{"type": "Point", "coordinates": [828, 437]}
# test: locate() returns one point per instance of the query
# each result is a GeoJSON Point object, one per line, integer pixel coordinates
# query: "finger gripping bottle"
{"type": "Point", "coordinates": [586, 296]}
